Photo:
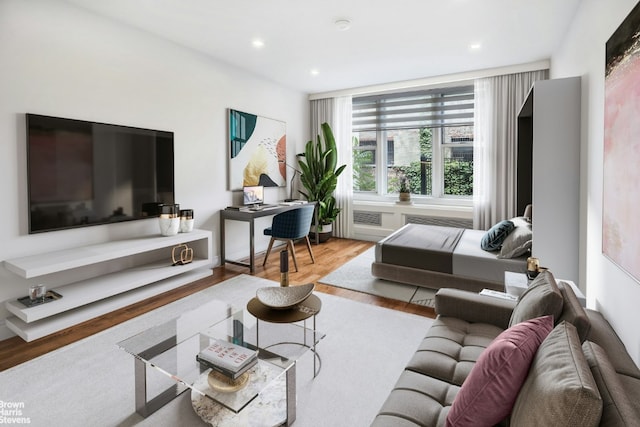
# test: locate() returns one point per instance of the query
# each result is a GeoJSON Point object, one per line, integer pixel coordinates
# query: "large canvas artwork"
{"type": "Point", "coordinates": [621, 186]}
{"type": "Point", "coordinates": [258, 149]}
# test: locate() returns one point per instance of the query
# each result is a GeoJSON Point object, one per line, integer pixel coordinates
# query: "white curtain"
{"type": "Point", "coordinates": [497, 103]}
{"type": "Point", "coordinates": [337, 112]}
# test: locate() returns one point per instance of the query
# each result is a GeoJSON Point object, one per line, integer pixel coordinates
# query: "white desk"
{"type": "Point", "coordinates": [250, 216]}
{"type": "Point", "coordinates": [516, 283]}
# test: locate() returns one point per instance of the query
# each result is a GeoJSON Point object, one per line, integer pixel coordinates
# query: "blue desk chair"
{"type": "Point", "coordinates": [291, 226]}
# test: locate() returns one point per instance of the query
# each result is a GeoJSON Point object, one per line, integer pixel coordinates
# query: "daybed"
{"type": "Point", "coordinates": [543, 361]}
{"type": "Point", "coordinates": [436, 257]}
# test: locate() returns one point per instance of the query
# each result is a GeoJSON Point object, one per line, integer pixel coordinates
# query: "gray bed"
{"type": "Point", "coordinates": [435, 257]}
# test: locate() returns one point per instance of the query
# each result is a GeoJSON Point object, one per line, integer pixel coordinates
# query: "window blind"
{"type": "Point", "coordinates": [410, 110]}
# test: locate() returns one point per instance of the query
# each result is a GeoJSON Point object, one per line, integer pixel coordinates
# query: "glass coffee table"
{"type": "Point", "coordinates": [170, 349]}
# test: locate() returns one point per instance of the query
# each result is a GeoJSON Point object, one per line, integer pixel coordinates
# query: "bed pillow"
{"type": "Point", "coordinates": [490, 391]}
{"type": "Point", "coordinates": [492, 240]}
{"type": "Point", "coordinates": [518, 242]}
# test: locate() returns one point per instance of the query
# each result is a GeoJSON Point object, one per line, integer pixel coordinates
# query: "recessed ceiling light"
{"type": "Point", "coordinates": [257, 43]}
{"type": "Point", "coordinates": [314, 72]}
{"type": "Point", "coordinates": [475, 46]}
{"type": "Point", "coordinates": [342, 24]}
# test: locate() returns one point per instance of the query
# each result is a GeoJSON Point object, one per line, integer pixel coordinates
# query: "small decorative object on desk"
{"type": "Point", "coordinates": [284, 268]}
{"type": "Point", "coordinates": [186, 220]}
{"type": "Point", "coordinates": [169, 220]}
{"type": "Point", "coordinates": [281, 298]}
{"type": "Point", "coordinates": [231, 360]}
{"type": "Point", "coordinates": [181, 254]}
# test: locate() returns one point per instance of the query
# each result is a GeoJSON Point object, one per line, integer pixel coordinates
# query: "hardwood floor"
{"type": "Point", "coordinates": [328, 256]}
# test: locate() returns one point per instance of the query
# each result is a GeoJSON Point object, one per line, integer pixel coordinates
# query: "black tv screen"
{"type": "Point", "coordinates": [86, 173]}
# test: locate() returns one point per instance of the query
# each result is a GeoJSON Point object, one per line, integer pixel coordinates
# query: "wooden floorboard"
{"type": "Point", "coordinates": [329, 256]}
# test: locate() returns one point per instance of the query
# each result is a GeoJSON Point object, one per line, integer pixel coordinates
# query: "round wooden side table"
{"type": "Point", "coordinates": [308, 308]}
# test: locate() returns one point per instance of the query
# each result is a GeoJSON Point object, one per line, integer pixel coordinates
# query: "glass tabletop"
{"type": "Point", "coordinates": [171, 348]}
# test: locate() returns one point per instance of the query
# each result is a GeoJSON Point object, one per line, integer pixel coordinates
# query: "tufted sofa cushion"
{"type": "Point", "coordinates": [451, 348]}
{"type": "Point", "coordinates": [417, 400]}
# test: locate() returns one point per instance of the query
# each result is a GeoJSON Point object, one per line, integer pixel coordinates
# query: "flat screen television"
{"type": "Point", "coordinates": [82, 173]}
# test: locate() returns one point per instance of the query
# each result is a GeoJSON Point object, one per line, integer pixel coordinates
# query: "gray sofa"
{"type": "Point", "coordinates": [581, 374]}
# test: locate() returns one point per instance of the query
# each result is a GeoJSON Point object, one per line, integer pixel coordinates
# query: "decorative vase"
{"type": "Point", "coordinates": [186, 220]}
{"type": "Point", "coordinates": [169, 220]}
{"type": "Point", "coordinates": [404, 197]}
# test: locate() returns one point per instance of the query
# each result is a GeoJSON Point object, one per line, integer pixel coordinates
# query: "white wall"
{"type": "Point", "coordinates": [582, 53]}
{"type": "Point", "coordinates": [61, 61]}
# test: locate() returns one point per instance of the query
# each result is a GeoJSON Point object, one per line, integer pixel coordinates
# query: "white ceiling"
{"type": "Point", "coordinates": [388, 41]}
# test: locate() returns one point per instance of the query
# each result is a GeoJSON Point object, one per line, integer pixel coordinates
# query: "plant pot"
{"type": "Point", "coordinates": [404, 197]}
{"type": "Point", "coordinates": [323, 235]}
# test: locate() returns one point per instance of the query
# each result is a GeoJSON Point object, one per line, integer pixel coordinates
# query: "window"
{"type": "Point", "coordinates": [423, 136]}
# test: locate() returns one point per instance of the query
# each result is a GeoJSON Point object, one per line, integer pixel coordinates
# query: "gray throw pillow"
{"type": "Point", "coordinates": [560, 389]}
{"type": "Point", "coordinates": [541, 298]}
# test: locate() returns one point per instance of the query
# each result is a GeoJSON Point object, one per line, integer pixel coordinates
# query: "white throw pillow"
{"type": "Point", "coordinates": [518, 242]}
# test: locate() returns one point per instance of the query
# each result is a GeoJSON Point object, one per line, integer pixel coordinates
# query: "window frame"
{"type": "Point", "coordinates": [439, 147]}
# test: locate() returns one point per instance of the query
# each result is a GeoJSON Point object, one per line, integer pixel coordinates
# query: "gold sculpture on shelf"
{"type": "Point", "coordinates": [181, 254]}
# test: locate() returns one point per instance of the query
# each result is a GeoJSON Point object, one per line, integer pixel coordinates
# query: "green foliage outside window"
{"type": "Point", "coordinates": [458, 178]}
{"type": "Point", "coordinates": [364, 178]}
{"type": "Point", "coordinates": [458, 173]}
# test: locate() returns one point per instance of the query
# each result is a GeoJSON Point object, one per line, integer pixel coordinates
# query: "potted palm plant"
{"type": "Point", "coordinates": [319, 178]}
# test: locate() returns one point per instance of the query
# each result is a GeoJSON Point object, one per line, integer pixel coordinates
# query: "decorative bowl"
{"type": "Point", "coordinates": [281, 298]}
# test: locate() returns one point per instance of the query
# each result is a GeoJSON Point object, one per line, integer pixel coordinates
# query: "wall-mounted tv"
{"type": "Point", "coordinates": [84, 173]}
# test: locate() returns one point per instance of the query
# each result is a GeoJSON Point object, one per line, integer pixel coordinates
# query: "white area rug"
{"type": "Point", "coordinates": [90, 382]}
{"type": "Point", "coordinates": [356, 275]}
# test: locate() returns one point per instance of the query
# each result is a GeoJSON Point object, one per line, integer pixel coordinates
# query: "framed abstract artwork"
{"type": "Point", "coordinates": [257, 151]}
{"type": "Point", "coordinates": [621, 173]}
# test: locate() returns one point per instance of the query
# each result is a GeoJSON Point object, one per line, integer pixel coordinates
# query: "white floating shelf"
{"type": "Point", "coordinates": [34, 330]}
{"type": "Point", "coordinates": [85, 292]}
{"type": "Point", "coordinates": [138, 268]}
{"type": "Point", "coordinates": [67, 259]}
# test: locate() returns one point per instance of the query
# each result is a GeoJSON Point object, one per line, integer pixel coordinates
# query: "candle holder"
{"type": "Point", "coordinates": [533, 264]}
{"type": "Point", "coordinates": [37, 293]}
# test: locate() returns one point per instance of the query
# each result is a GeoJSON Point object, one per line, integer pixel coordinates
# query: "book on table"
{"type": "Point", "coordinates": [228, 358]}
{"type": "Point", "coordinates": [227, 373]}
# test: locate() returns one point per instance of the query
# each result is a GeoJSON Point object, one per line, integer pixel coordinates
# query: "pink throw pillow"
{"type": "Point", "coordinates": [489, 392]}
